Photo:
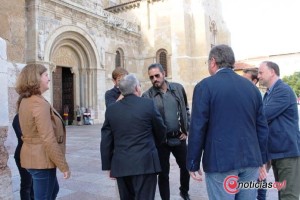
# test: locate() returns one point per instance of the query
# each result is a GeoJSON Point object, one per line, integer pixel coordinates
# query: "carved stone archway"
{"type": "Point", "coordinates": [72, 47]}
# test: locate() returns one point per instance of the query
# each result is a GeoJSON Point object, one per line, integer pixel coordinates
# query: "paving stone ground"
{"type": "Point", "coordinates": [88, 182]}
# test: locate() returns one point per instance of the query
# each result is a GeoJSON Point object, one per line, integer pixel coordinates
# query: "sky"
{"type": "Point", "coordinates": [262, 27]}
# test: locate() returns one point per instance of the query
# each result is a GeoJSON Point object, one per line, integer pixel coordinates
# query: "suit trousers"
{"type": "Point", "coordinates": [179, 153]}
{"type": "Point", "coordinates": [137, 187]}
{"type": "Point", "coordinates": [288, 169]}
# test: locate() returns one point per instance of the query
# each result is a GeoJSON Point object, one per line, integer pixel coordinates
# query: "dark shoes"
{"type": "Point", "coordinates": [185, 196]}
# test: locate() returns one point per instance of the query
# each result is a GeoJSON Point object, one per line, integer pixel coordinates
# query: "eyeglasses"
{"type": "Point", "coordinates": [156, 76]}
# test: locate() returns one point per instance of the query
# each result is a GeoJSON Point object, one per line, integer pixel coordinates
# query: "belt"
{"type": "Point", "coordinates": [32, 140]}
{"type": "Point", "coordinates": [173, 134]}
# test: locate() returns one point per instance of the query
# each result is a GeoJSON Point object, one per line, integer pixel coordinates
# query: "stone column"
{"type": "Point", "coordinates": [101, 89]}
{"type": "Point", "coordinates": [5, 173]}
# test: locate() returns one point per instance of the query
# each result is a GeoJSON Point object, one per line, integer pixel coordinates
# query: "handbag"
{"type": "Point", "coordinates": [172, 142]}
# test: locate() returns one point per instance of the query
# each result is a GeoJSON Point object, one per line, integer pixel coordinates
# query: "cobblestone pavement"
{"type": "Point", "coordinates": [89, 182]}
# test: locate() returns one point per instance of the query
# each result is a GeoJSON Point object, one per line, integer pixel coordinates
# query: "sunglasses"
{"type": "Point", "coordinates": [156, 76]}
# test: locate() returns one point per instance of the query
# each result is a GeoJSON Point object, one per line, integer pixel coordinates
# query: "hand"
{"type": "Point", "coordinates": [109, 175]}
{"type": "Point", "coordinates": [120, 97]}
{"type": "Point", "coordinates": [195, 177]}
{"type": "Point", "coordinates": [67, 174]}
{"type": "Point", "coordinates": [262, 173]}
{"type": "Point", "coordinates": [182, 136]}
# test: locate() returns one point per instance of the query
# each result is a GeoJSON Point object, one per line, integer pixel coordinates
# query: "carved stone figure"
{"type": "Point", "coordinates": [41, 45]}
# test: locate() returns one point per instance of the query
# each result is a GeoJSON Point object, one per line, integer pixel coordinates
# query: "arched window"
{"type": "Point", "coordinates": [119, 60]}
{"type": "Point", "coordinates": [163, 59]}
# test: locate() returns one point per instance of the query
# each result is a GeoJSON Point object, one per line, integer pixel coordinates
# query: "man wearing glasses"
{"type": "Point", "coordinates": [171, 101]}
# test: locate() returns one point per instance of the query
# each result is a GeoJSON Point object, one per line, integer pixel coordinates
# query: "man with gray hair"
{"type": "Point", "coordinates": [280, 108]}
{"type": "Point", "coordinates": [132, 129]}
{"type": "Point", "coordinates": [228, 131]}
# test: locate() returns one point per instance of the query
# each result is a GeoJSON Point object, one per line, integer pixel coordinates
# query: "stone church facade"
{"type": "Point", "coordinates": [82, 41]}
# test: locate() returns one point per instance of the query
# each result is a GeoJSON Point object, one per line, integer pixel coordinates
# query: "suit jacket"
{"type": "Point", "coordinates": [131, 130]}
{"type": "Point", "coordinates": [281, 111]}
{"type": "Point", "coordinates": [227, 124]}
{"type": "Point", "coordinates": [44, 135]}
{"type": "Point", "coordinates": [111, 96]}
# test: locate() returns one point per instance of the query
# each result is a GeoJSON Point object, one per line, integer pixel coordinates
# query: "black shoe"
{"type": "Point", "coordinates": [185, 196]}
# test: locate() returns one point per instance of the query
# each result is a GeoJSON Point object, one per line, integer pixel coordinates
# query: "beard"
{"type": "Point", "coordinates": [157, 84]}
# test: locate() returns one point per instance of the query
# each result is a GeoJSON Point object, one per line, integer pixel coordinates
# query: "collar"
{"type": "Point", "coordinates": [116, 89]}
{"type": "Point", "coordinates": [269, 90]}
{"type": "Point", "coordinates": [224, 68]}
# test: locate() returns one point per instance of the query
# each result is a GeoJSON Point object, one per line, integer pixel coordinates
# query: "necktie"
{"type": "Point", "coordinates": [266, 96]}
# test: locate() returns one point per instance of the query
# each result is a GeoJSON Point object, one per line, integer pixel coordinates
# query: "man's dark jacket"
{"type": "Point", "coordinates": [281, 111]}
{"type": "Point", "coordinates": [111, 96]}
{"type": "Point", "coordinates": [228, 129]}
{"type": "Point", "coordinates": [179, 93]}
{"type": "Point", "coordinates": [131, 130]}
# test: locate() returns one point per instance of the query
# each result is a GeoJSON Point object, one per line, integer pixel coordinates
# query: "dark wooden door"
{"type": "Point", "coordinates": [63, 93]}
{"type": "Point", "coordinates": [57, 90]}
{"type": "Point", "coordinates": [68, 93]}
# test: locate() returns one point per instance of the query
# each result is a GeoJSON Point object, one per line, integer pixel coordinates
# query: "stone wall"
{"type": "Point", "coordinates": [12, 23]}
{"type": "Point", "coordinates": [5, 173]}
{"type": "Point", "coordinates": [185, 30]}
{"type": "Point", "coordinates": [12, 51]}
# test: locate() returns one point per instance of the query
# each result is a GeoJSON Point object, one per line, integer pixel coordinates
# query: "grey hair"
{"type": "Point", "coordinates": [272, 65]}
{"type": "Point", "coordinates": [223, 55]}
{"type": "Point", "coordinates": [128, 84]}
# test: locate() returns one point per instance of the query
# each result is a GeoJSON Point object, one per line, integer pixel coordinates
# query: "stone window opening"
{"type": "Point", "coordinates": [119, 60]}
{"type": "Point", "coordinates": [163, 60]}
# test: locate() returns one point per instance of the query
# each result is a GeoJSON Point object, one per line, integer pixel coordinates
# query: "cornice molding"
{"type": "Point", "coordinates": [127, 6]}
{"type": "Point", "coordinates": [124, 6]}
{"type": "Point", "coordinates": [98, 12]}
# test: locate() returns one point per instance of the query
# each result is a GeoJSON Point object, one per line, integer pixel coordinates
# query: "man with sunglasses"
{"type": "Point", "coordinates": [171, 101]}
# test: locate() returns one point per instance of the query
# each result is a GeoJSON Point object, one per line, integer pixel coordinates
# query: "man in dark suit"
{"type": "Point", "coordinates": [229, 128]}
{"type": "Point", "coordinates": [280, 107]}
{"type": "Point", "coordinates": [114, 94]}
{"type": "Point", "coordinates": [131, 131]}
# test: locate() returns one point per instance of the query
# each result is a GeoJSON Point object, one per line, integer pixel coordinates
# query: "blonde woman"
{"type": "Point", "coordinates": [44, 134]}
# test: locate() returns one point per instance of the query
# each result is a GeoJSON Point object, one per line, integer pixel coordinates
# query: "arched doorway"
{"type": "Point", "coordinates": [74, 64]}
